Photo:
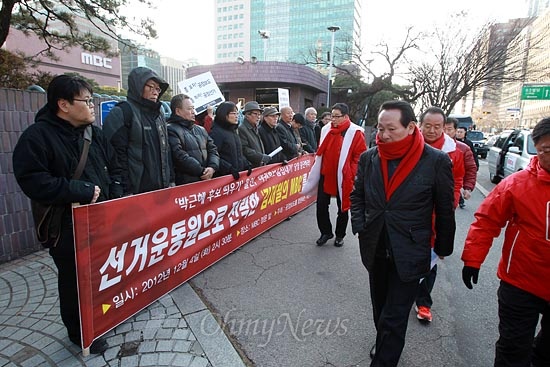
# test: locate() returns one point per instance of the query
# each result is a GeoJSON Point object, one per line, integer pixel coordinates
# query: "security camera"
{"type": "Point", "coordinates": [263, 33]}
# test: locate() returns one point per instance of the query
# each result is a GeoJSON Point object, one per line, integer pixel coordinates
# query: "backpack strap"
{"type": "Point", "coordinates": [126, 112]}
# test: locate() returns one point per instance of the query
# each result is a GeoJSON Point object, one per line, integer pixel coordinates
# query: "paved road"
{"type": "Point", "coordinates": [287, 302]}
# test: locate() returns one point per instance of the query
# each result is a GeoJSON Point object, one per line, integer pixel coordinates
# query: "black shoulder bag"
{"type": "Point", "coordinates": [47, 218]}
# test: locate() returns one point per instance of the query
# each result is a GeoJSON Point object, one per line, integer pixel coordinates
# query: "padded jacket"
{"type": "Point", "coordinates": [141, 144]}
{"type": "Point", "coordinates": [192, 150]}
{"type": "Point", "coordinates": [520, 202]}
{"type": "Point", "coordinates": [228, 143]}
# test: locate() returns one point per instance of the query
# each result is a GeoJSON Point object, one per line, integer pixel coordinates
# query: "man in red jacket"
{"type": "Point", "coordinates": [432, 124]}
{"type": "Point", "coordinates": [521, 202]}
{"type": "Point", "coordinates": [470, 164]}
{"type": "Point", "coordinates": [333, 172]}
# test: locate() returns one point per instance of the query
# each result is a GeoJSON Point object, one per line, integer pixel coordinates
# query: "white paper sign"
{"type": "Point", "coordinates": [203, 90]}
{"type": "Point", "coordinates": [284, 99]}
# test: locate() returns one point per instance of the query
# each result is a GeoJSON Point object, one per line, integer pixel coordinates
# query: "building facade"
{"type": "Point", "coordinates": [132, 57]}
{"type": "Point", "coordinates": [286, 31]}
{"type": "Point", "coordinates": [105, 70]}
{"type": "Point", "coordinates": [259, 81]}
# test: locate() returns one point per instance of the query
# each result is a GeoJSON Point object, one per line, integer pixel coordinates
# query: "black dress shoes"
{"type": "Point", "coordinates": [338, 242]}
{"type": "Point", "coordinates": [324, 238]}
{"type": "Point", "coordinates": [98, 346]}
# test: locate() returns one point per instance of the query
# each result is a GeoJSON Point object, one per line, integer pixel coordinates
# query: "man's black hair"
{"type": "Point", "coordinates": [65, 87]}
{"type": "Point", "coordinates": [433, 110]}
{"type": "Point", "coordinates": [177, 102]}
{"type": "Point", "coordinates": [342, 107]}
{"type": "Point", "coordinates": [407, 112]}
{"type": "Point", "coordinates": [542, 128]}
{"type": "Point", "coordinates": [452, 120]}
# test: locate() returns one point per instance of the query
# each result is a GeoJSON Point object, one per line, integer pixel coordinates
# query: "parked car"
{"type": "Point", "coordinates": [491, 141]}
{"type": "Point", "coordinates": [479, 141]}
{"type": "Point", "coordinates": [464, 121]}
{"type": "Point", "coordinates": [511, 152]}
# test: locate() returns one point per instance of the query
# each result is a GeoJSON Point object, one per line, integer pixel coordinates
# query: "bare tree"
{"type": "Point", "coordinates": [38, 16]}
{"type": "Point", "coordinates": [349, 76]}
{"type": "Point", "coordinates": [460, 65]}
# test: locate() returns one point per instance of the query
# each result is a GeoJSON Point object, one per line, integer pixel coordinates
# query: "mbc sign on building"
{"type": "Point", "coordinates": [104, 70]}
{"type": "Point", "coordinates": [96, 60]}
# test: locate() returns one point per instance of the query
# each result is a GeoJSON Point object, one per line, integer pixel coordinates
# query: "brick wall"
{"type": "Point", "coordinates": [17, 110]}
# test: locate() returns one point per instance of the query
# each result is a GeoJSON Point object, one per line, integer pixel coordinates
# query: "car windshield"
{"type": "Point", "coordinates": [531, 145]}
{"type": "Point", "coordinates": [475, 135]}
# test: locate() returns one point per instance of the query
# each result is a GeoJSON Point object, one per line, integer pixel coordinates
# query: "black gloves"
{"type": "Point", "coordinates": [249, 172]}
{"type": "Point", "coordinates": [469, 274]}
{"type": "Point", "coordinates": [265, 159]}
{"type": "Point", "coordinates": [235, 173]}
{"type": "Point", "coordinates": [285, 162]}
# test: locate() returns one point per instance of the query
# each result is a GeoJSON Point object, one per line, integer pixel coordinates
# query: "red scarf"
{"type": "Point", "coordinates": [409, 150]}
{"type": "Point", "coordinates": [438, 144]}
{"type": "Point", "coordinates": [332, 144]}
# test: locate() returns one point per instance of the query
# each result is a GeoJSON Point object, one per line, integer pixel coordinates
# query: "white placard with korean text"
{"type": "Point", "coordinates": [284, 98]}
{"type": "Point", "coordinates": [203, 90]}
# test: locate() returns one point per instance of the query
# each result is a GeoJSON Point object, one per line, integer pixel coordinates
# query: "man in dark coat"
{"type": "Point", "coordinates": [138, 133]}
{"type": "Point", "coordinates": [268, 134]}
{"type": "Point", "coordinates": [307, 131]}
{"type": "Point", "coordinates": [44, 162]}
{"type": "Point", "coordinates": [253, 148]}
{"type": "Point", "coordinates": [284, 128]}
{"type": "Point", "coordinates": [194, 154]}
{"type": "Point", "coordinates": [400, 185]}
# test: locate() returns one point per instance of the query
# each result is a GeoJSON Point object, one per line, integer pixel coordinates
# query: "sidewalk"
{"type": "Point", "coordinates": [173, 331]}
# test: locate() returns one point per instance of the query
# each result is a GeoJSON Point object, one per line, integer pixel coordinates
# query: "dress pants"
{"type": "Point", "coordinates": [323, 215]}
{"type": "Point", "coordinates": [519, 313]}
{"type": "Point", "coordinates": [64, 259]}
{"type": "Point", "coordinates": [424, 295]}
{"type": "Point", "coordinates": [392, 300]}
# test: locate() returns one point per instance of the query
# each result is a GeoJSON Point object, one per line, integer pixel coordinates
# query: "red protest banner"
{"type": "Point", "coordinates": [131, 251]}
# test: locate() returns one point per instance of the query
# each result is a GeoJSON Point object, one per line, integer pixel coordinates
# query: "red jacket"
{"type": "Point", "coordinates": [470, 174]}
{"type": "Point", "coordinates": [522, 200]}
{"type": "Point", "coordinates": [457, 158]}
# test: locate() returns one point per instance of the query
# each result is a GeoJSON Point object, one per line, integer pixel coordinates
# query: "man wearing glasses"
{"type": "Point", "coordinates": [253, 148]}
{"type": "Point", "coordinates": [137, 131]}
{"type": "Point", "coordinates": [341, 145]}
{"type": "Point", "coordinates": [44, 164]}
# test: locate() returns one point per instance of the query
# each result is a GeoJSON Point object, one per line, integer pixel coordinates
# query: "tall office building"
{"type": "Point", "coordinates": [284, 30]}
{"type": "Point", "coordinates": [537, 7]}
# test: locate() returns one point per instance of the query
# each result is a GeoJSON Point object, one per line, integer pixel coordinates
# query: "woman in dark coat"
{"type": "Point", "coordinates": [226, 138]}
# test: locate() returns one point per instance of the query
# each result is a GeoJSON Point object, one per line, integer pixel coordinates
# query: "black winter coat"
{"type": "Point", "coordinates": [288, 140]}
{"type": "Point", "coordinates": [307, 134]}
{"type": "Point", "coordinates": [271, 141]}
{"type": "Point", "coordinates": [141, 144]}
{"type": "Point", "coordinates": [228, 143]}
{"type": "Point", "coordinates": [251, 144]}
{"type": "Point", "coordinates": [45, 159]}
{"type": "Point", "coordinates": [192, 150]}
{"type": "Point", "coordinates": [405, 221]}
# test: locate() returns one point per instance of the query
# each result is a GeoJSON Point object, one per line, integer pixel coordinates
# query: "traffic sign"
{"type": "Point", "coordinates": [105, 108]}
{"type": "Point", "coordinates": [535, 92]}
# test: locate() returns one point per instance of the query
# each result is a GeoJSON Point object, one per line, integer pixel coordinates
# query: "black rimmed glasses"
{"type": "Point", "coordinates": [88, 101]}
{"type": "Point", "coordinates": [335, 116]}
{"type": "Point", "coordinates": [153, 88]}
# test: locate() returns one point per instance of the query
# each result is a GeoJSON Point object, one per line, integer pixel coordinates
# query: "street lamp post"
{"type": "Point", "coordinates": [265, 36]}
{"type": "Point", "coordinates": [333, 30]}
